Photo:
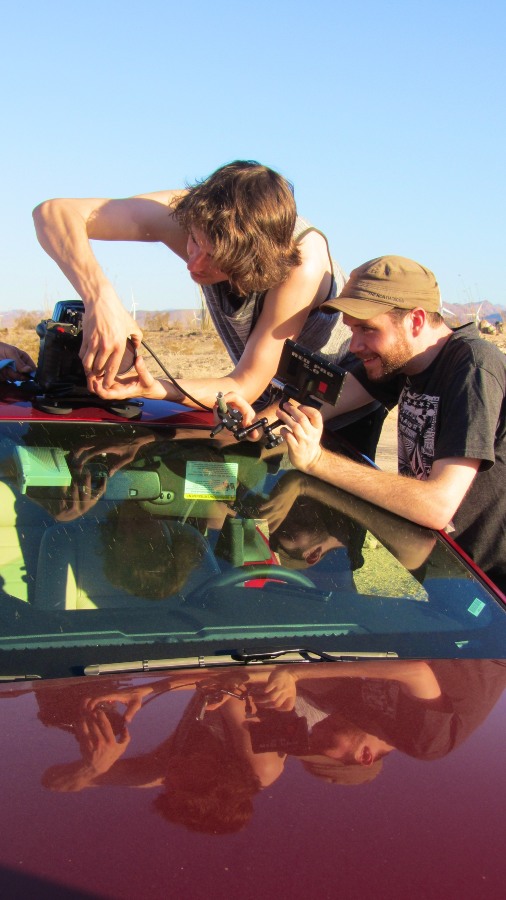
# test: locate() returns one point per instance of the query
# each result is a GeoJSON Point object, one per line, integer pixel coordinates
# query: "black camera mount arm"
{"type": "Point", "coordinates": [231, 419]}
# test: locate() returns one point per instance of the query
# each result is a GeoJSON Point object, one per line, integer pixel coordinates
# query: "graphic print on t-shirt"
{"type": "Point", "coordinates": [417, 433]}
{"type": "Point", "coordinates": [381, 696]}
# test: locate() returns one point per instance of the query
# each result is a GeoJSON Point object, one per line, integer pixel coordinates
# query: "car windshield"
{"type": "Point", "coordinates": [122, 541]}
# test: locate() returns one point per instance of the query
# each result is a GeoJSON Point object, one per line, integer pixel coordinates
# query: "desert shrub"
{"type": "Point", "coordinates": [27, 321]}
{"type": "Point", "coordinates": [157, 321]}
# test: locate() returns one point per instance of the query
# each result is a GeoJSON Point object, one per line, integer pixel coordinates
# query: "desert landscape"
{"type": "Point", "coordinates": [198, 352]}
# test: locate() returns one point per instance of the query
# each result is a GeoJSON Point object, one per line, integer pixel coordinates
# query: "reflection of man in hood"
{"type": "Point", "coordinates": [337, 738]}
{"type": "Point", "coordinates": [206, 768]}
{"type": "Point", "coordinates": [359, 712]}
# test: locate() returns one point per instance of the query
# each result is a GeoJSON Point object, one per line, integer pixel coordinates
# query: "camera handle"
{"type": "Point", "coordinates": [231, 418]}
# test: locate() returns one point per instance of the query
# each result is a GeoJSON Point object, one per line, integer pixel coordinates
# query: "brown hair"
{"type": "Point", "coordinates": [247, 211]}
{"type": "Point", "coordinates": [156, 568]}
{"type": "Point", "coordinates": [434, 319]}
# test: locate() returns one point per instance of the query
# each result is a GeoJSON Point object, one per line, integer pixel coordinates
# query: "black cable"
{"type": "Point", "coordinates": [173, 380]}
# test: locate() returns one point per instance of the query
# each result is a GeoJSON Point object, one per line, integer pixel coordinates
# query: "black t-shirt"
{"type": "Point", "coordinates": [425, 729]}
{"type": "Point", "coordinates": [456, 408]}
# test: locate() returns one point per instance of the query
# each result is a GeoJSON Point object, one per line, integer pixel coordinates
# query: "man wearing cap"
{"type": "Point", "coordinates": [449, 385]}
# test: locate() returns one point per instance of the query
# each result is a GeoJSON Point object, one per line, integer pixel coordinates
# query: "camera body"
{"type": "Point", "coordinates": [59, 368]}
{"type": "Point", "coordinates": [280, 732]}
{"type": "Point", "coordinates": [58, 365]}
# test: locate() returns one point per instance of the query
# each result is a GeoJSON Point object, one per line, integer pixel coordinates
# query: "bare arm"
{"type": "Point", "coordinates": [65, 228]}
{"type": "Point", "coordinates": [285, 310]}
{"type": "Point", "coordinates": [431, 503]}
{"type": "Point", "coordinates": [415, 676]}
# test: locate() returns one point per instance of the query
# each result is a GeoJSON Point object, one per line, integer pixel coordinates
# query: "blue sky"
{"type": "Point", "coordinates": [388, 117]}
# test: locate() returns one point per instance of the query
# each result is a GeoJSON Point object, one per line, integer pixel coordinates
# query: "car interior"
{"type": "Point", "coordinates": [172, 550]}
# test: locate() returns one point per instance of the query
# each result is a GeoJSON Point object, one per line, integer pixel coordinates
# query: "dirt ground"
{"type": "Point", "coordinates": [197, 354]}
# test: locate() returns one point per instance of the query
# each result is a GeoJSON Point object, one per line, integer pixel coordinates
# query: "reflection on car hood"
{"type": "Point", "coordinates": [383, 782]}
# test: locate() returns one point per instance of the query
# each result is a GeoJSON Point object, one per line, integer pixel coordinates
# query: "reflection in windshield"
{"type": "Point", "coordinates": [164, 532]}
{"type": "Point", "coordinates": [338, 721]}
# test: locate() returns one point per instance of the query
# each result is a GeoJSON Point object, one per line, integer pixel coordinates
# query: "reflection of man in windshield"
{"type": "Point", "coordinates": [311, 530]}
{"type": "Point", "coordinates": [307, 519]}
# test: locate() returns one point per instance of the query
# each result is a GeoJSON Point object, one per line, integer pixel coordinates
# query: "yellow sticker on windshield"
{"type": "Point", "coordinates": [210, 480]}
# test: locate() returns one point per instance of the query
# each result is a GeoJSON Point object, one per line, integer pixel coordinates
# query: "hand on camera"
{"type": "Point", "coordinates": [279, 693]}
{"type": "Point", "coordinates": [130, 698]}
{"type": "Point", "coordinates": [106, 327]}
{"type": "Point", "coordinates": [100, 746]}
{"type": "Point", "coordinates": [139, 383]}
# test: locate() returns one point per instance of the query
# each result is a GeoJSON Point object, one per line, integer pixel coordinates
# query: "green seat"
{"type": "Point", "coordinates": [22, 524]}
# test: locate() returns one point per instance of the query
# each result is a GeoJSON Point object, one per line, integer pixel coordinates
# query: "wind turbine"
{"type": "Point", "coordinates": [133, 308]}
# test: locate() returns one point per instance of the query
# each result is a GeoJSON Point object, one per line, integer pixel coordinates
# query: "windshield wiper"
{"type": "Point", "coordinates": [20, 677]}
{"type": "Point", "coordinates": [306, 654]}
{"type": "Point", "coordinates": [243, 657]}
{"type": "Point", "coordinates": [153, 665]}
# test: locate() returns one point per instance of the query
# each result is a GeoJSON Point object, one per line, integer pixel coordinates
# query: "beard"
{"type": "Point", "coordinates": [392, 362]}
{"type": "Point", "coordinates": [337, 727]}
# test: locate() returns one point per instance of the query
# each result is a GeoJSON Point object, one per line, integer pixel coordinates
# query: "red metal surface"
{"type": "Point", "coordinates": [15, 406]}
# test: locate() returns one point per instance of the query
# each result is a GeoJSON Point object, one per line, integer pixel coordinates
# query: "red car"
{"type": "Point", "coordinates": [218, 675]}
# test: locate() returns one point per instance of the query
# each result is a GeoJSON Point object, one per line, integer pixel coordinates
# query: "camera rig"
{"type": "Point", "coordinates": [303, 376]}
{"type": "Point", "coordinates": [60, 382]}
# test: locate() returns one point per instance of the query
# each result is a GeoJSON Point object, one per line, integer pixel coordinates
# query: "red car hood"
{"type": "Point", "coordinates": [427, 820]}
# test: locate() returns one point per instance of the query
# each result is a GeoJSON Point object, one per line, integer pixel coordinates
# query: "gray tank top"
{"type": "Point", "coordinates": [235, 317]}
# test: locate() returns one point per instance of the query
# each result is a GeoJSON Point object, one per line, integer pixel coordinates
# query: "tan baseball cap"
{"type": "Point", "coordinates": [334, 771]}
{"type": "Point", "coordinates": [385, 283]}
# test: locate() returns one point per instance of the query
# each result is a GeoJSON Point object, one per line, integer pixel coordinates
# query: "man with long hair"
{"type": "Point", "coordinates": [264, 271]}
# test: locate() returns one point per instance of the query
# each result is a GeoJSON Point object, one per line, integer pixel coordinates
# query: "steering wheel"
{"type": "Point", "coordinates": [251, 573]}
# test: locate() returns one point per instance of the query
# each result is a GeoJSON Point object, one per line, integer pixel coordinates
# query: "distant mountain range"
{"type": "Point", "coordinates": [188, 318]}
{"type": "Point", "coordinates": [10, 316]}
{"type": "Point", "coordinates": [467, 312]}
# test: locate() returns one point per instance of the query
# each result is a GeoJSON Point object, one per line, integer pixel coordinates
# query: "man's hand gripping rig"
{"type": "Point", "coordinates": [303, 376]}
{"type": "Point", "coordinates": [231, 419]}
